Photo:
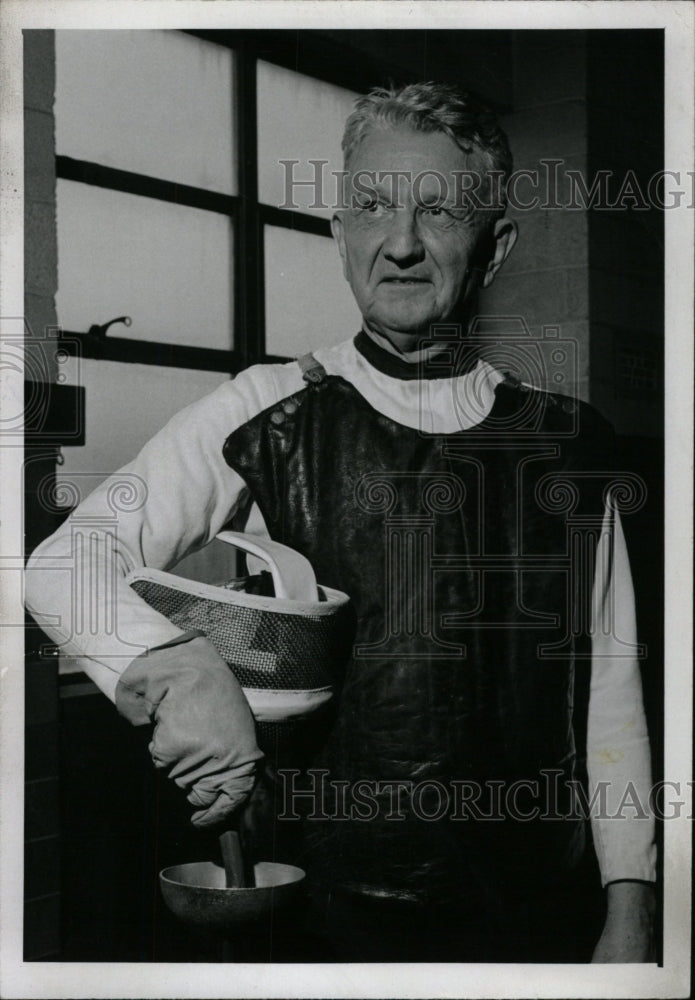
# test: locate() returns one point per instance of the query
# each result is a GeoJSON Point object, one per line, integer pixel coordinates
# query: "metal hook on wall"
{"type": "Point", "coordinates": [99, 331]}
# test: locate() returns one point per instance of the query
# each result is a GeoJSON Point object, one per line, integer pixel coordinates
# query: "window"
{"type": "Point", "coordinates": [307, 301]}
{"type": "Point", "coordinates": [167, 266]}
{"type": "Point", "coordinates": [172, 198]}
{"type": "Point", "coordinates": [158, 103]}
{"type": "Point", "coordinates": [300, 119]}
{"type": "Point", "coordinates": [172, 210]}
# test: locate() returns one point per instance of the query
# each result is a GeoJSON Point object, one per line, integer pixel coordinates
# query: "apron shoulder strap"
{"type": "Point", "coordinates": [312, 370]}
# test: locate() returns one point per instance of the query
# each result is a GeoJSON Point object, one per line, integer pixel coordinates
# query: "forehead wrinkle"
{"type": "Point", "coordinates": [438, 181]}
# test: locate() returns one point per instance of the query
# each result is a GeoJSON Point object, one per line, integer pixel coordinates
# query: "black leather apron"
{"type": "Point", "coordinates": [469, 560]}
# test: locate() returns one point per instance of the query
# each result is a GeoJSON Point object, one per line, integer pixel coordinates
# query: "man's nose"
{"type": "Point", "coordinates": [403, 245]}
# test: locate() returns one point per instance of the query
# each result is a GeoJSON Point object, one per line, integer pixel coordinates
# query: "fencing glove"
{"type": "Point", "coordinates": [204, 732]}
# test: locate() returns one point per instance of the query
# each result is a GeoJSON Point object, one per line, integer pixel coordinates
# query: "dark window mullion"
{"type": "Point", "coordinates": [276, 359]}
{"type": "Point", "coordinates": [86, 172]}
{"type": "Point", "coordinates": [249, 319]}
{"type": "Point", "coordinates": [300, 221]}
{"type": "Point", "coordinates": [147, 352]}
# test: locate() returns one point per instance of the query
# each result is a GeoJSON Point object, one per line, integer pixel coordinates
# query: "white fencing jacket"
{"type": "Point", "coordinates": [175, 496]}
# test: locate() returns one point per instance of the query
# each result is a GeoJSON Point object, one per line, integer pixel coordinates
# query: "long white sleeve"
{"type": "Point", "coordinates": [178, 493]}
{"type": "Point", "coordinates": [171, 500]}
{"type": "Point", "coordinates": [618, 752]}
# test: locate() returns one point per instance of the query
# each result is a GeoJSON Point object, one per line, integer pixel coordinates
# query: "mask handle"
{"type": "Point", "coordinates": [293, 575]}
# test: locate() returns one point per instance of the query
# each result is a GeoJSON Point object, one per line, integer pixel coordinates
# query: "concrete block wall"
{"type": "Point", "coordinates": [40, 245]}
{"type": "Point", "coordinates": [592, 99]}
{"type": "Point", "coordinates": [41, 813]}
{"type": "Point", "coordinates": [42, 810]}
{"type": "Point", "coordinates": [546, 279]}
{"type": "Point", "coordinates": [626, 244]}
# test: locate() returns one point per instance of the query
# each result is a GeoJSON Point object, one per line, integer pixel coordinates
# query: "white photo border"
{"type": "Point", "coordinates": [51, 979]}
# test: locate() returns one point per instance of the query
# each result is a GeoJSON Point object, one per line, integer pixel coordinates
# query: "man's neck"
{"type": "Point", "coordinates": [440, 359]}
{"type": "Point", "coordinates": [415, 356]}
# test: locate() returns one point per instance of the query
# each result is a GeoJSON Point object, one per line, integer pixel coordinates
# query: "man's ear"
{"type": "Point", "coordinates": [504, 234]}
{"type": "Point", "coordinates": [338, 230]}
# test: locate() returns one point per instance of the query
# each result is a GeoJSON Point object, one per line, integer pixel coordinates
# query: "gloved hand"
{"type": "Point", "coordinates": [204, 731]}
{"type": "Point", "coordinates": [257, 820]}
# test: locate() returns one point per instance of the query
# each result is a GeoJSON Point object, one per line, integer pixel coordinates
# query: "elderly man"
{"type": "Point", "coordinates": [419, 480]}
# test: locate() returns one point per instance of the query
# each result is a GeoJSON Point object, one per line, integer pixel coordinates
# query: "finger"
{"type": "Point", "coordinates": [221, 811]}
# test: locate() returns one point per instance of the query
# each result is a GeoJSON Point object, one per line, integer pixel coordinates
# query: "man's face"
{"type": "Point", "coordinates": [412, 250]}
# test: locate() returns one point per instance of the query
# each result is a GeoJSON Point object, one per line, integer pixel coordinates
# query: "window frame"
{"type": "Point", "coordinates": [329, 56]}
{"type": "Point", "coordinates": [248, 215]}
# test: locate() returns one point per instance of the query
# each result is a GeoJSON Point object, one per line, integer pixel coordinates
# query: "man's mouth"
{"type": "Point", "coordinates": [405, 281]}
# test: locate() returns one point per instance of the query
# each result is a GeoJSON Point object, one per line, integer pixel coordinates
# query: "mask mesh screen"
{"type": "Point", "coordinates": [265, 649]}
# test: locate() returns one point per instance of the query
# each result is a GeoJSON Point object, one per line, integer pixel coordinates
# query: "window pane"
{"type": "Point", "coordinates": [167, 266]}
{"type": "Point", "coordinates": [299, 118]}
{"type": "Point", "coordinates": [125, 405]}
{"type": "Point", "coordinates": [155, 102]}
{"type": "Point", "coordinates": [308, 303]}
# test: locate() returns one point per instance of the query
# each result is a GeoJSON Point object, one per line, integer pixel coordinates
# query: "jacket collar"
{"type": "Point", "coordinates": [449, 362]}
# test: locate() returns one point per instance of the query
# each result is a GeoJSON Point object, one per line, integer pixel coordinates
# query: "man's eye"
{"type": "Point", "coordinates": [373, 206]}
{"type": "Point", "coordinates": [437, 215]}
{"type": "Point", "coordinates": [441, 212]}
{"type": "Point", "coordinates": [447, 215]}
